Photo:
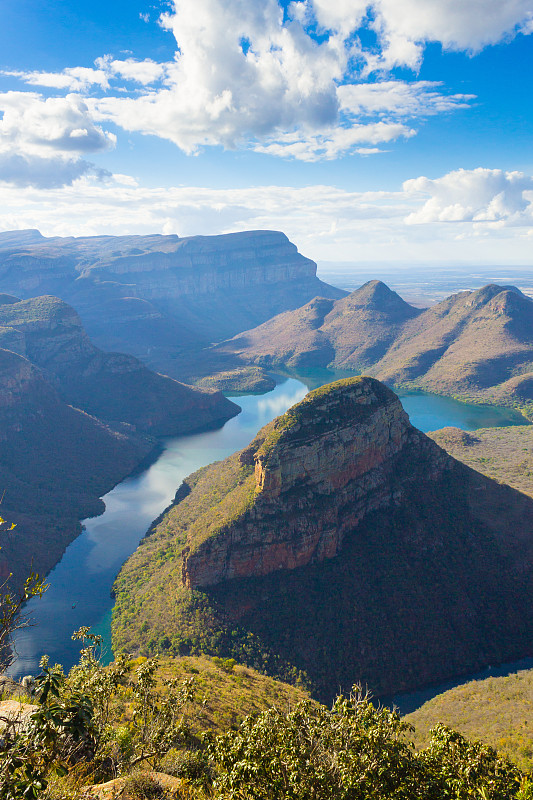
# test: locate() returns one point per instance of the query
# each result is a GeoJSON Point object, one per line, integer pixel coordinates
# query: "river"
{"type": "Point", "coordinates": [80, 584]}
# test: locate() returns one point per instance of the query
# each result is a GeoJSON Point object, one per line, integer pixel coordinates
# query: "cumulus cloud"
{"type": "Point", "coordinates": [46, 138]}
{"type": "Point", "coordinates": [296, 80]}
{"type": "Point", "coordinates": [490, 196]}
{"type": "Point", "coordinates": [324, 221]}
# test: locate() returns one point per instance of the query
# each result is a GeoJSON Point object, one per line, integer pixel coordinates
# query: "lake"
{"type": "Point", "coordinates": [81, 582]}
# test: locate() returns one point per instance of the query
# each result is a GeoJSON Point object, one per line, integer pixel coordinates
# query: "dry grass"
{"type": "Point", "coordinates": [504, 454]}
{"type": "Point", "coordinates": [497, 711]}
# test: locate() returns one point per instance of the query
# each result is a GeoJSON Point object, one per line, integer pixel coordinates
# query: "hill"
{"type": "Point", "coordinates": [504, 454]}
{"type": "Point", "coordinates": [74, 422]}
{"type": "Point", "coordinates": [162, 298]}
{"type": "Point", "coordinates": [112, 386]}
{"type": "Point", "coordinates": [478, 345]}
{"type": "Point", "coordinates": [342, 543]}
{"type": "Point", "coordinates": [55, 463]}
{"type": "Point", "coordinates": [497, 711]}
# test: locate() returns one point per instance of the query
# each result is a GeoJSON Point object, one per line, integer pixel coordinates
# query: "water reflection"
{"type": "Point", "coordinates": [80, 584]}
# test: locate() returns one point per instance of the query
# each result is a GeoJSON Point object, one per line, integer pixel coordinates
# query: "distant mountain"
{"type": "Point", "coordinates": [342, 543]}
{"type": "Point", "coordinates": [112, 386]}
{"type": "Point", "coordinates": [477, 344]}
{"type": "Point", "coordinates": [157, 297]}
{"type": "Point", "coordinates": [55, 459]}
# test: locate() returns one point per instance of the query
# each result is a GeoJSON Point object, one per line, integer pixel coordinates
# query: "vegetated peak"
{"type": "Point", "coordinates": [8, 299]}
{"type": "Point", "coordinates": [379, 297]}
{"type": "Point", "coordinates": [327, 409]}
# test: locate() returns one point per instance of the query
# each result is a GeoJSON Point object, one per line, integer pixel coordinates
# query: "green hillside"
{"type": "Point", "coordinates": [497, 711]}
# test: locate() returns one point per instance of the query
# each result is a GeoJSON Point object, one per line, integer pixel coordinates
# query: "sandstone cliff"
{"type": "Point", "coordinates": [344, 543]}
{"type": "Point", "coordinates": [158, 296]}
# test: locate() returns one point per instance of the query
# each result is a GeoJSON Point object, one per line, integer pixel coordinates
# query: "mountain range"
{"type": "Point", "coordinates": [477, 345]}
{"type": "Point", "coordinates": [160, 297]}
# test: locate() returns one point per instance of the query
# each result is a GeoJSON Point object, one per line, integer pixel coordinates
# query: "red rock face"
{"type": "Point", "coordinates": [315, 484]}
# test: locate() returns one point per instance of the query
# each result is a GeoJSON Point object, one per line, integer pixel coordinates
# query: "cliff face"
{"type": "Point", "coordinates": [344, 543]}
{"type": "Point", "coordinates": [320, 469]}
{"type": "Point", "coordinates": [158, 296]}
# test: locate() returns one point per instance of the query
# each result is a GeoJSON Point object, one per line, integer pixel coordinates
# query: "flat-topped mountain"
{"type": "Point", "coordinates": [113, 386]}
{"type": "Point", "coordinates": [159, 296]}
{"type": "Point", "coordinates": [342, 543]}
{"type": "Point", "coordinates": [477, 344]}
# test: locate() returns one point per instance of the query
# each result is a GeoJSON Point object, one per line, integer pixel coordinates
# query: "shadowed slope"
{"type": "Point", "coordinates": [344, 543]}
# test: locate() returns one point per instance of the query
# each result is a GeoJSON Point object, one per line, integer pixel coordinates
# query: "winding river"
{"type": "Point", "coordinates": [80, 584]}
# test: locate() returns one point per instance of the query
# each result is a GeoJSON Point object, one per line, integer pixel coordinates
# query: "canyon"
{"type": "Point", "coordinates": [343, 545]}
{"type": "Point", "coordinates": [161, 298]}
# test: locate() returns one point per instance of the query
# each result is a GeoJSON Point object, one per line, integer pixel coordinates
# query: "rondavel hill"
{"type": "Point", "coordinates": [341, 543]}
{"type": "Point", "coordinates": [475, 344]}
{"type": "Point", "coordinates": [74, 421]}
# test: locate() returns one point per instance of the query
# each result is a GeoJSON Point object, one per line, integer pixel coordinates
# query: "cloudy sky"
{"type": "Point", "coordinates": [368, 131]}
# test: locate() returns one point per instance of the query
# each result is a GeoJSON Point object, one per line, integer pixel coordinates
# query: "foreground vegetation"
{"type": "Point", "coordinates": [131, 721]}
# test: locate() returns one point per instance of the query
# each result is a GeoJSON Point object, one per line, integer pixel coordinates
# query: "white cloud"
{"type": "Point", "coordinates": [73, 79]}
{"type": "Point", "coordinates": [144, 72]}
{"type": "Point", "coordinates": [48, 137]}
{"type": "Point", "coordinates": [324, 221]}
{"type": "Point", "coordinates": [335, 142]}
{"type": "Point", "coordinates": [403, 27]}
{"type": "Point", "coordinates": [415, 99]}
{"type": "Point", "coordinates": [489, 196]}
{"type": "Point", "coordinates": [291, 81]}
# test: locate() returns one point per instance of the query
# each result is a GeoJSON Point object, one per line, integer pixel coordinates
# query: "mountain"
{"type": "Point", "coordinates": [343, 544]}
{"type": "Point", "coordinates": [74, 421]}
{"type": "Point", "coordinates": [112, 386]}
{"type": "Point", "coordinates": [157, 297]}
{"type": "Point", "coordinates": [55, 463]}
{"type": "Point", "coordinates": [476, 344]}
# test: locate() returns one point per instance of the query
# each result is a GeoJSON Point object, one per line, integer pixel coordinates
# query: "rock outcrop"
{"type": "Point", "coordinates": [323, 466]}
{"type": "Point", "coordinates": [344, 543]}
{"type": "Point", "coordinates": [160, 296]}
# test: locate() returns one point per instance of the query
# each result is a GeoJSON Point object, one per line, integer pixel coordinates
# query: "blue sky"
{"type": "Point", "coordinates": [372, 131]}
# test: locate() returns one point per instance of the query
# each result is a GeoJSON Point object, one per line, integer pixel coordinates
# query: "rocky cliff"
{"type": "Point", "coordinates": [342, 543]}
{"type": "Point", "coordinates": [324, 466]}
{"type": "Point", "coordinates": [159, 296]}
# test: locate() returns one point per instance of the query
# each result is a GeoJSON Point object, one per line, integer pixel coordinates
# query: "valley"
{"type": "Point", "coordinates": [331, 542]}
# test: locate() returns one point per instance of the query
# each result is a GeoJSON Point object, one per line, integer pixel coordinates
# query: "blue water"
{"type": "Point", "coordinates": [80, 584]}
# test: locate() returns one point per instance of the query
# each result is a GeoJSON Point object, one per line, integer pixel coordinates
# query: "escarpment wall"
{"type": "Point", "coordinates": [315, 482]}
